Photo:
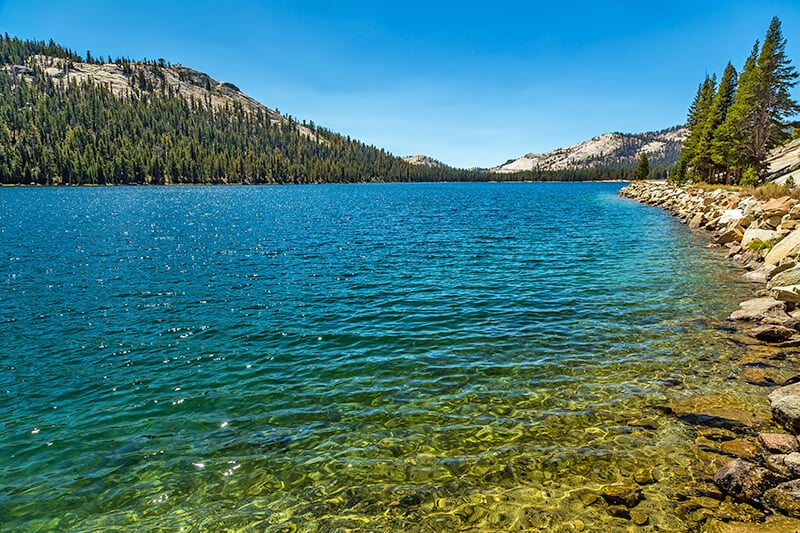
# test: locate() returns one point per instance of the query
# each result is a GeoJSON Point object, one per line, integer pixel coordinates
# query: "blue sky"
{"type": "Point", "coordinates": [469, 83]}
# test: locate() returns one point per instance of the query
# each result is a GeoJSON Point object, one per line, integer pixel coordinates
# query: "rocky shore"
{"type": "Point", "coordinates": [763, 478]}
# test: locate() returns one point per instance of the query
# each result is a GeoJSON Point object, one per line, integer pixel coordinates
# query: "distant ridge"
{"type": "Point", "coordinates": [610, 150]}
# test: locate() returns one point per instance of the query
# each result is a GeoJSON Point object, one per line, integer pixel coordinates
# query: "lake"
{"type": "Point", "coordinates": [397, 357]}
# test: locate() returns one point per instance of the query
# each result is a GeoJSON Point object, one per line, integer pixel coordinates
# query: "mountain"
{"type": "Point", "coordinates": [424, 161]}
{"type": "Point", "coordinates": [127, 79]}
{"type": "Point", "coordinates": [611, 150]}
{"type": "Point", "coordinates": [66, 119]}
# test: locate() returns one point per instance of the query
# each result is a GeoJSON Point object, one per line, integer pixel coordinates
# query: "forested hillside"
{"type": "Point", "coordinates": [56, 130]}
{"type": "Point", "coordinates": [68, 119]}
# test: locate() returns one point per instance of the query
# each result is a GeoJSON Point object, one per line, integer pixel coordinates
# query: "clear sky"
{"type": "Point", "coordinates": [469, 83]}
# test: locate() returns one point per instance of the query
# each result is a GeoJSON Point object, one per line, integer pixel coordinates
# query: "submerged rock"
{"type": "Point", "coordinates": [622, 494]}
{"type": "Point", "coordinates": [739, 448]}
{"type": "Point", "coordinates": [715, 411]}
{"type": "Point", "coordinates": [785, 498]}
{"type": "Point", "coordinates": [772, 524]}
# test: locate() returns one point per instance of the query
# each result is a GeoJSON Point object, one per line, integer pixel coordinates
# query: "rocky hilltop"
{"type": "Point", "coordinates": [611, 150]}
{"type": "Point", "coordinates": [424, 161]}
{"type": "Point", "coordinates": [133, 78]}
{"type": "Point", "coordinates": [764, 236]}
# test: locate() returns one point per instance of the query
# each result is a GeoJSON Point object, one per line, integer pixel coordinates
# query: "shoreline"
{"type": "Point", "coordinates": [764, 237]}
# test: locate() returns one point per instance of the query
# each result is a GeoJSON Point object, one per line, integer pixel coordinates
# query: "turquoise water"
{"type": "Point", "coordinates": [435, 357]}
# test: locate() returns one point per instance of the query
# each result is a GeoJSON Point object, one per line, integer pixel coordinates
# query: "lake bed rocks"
{"type": "Point", "coordinates": [757, 468]}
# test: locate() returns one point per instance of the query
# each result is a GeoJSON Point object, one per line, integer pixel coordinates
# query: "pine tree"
{"type": "Point", "coordinates": [718, 111]}
{"type": "Point", "coordinates": [643, 168]}
{"type": "Point", "coordinates": [728, 148]}
{"type": "Point", "coordinates": [697, 119]}
{"type": "Point", "coordinates": [775, 76]}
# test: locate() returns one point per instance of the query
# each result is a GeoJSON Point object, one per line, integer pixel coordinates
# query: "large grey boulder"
{"type": "Point", "coordinates": [785, 405]}
{"type": "Point", "coordinates": [758, 309]}
{"type": "Point", "coordinates": [786, 293]}
{"type": "Point", "coordinates": [788, 246]}
{"type": "Point", "coordinates": [764, 235]}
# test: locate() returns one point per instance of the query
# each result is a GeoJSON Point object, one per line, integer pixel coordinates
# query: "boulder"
{"type": "Point", "coordinates": [715, 410]}
{"type": "Point", "coordinates": [792, 462]}
{"type": "Point", "coordinates": [783, 267]}
{"type": "Point", "coordinates": [786, 293]}
{"type": "Point", "coordinates": [776, 464]}
{"type": "Point", "coordinates": [785, 498]}
{"type": "Point", "coordinates": [731, 235]}
{"type": "Point", "coordinates": [697, 221]}
{"type": "Point", "coordinates": [764, 235]}
{"type": "Point", "coordinates": [788, 225]}
{"type": "Point", "coordinates": [745, 481]}
{"type": "Point", "coordinates": [770, 222]}
{"type": "Point", "coordinates": [779, 206]}
{"type": "Point", "coordinates": [772, 333]}
{"type": "Point", "coordinates": [731, 215]}
{"type": "Point", "coordinates": [788, 246]}
{"type": "Point", "coordinates": [785, 405]}
{"type": "Point", "coordinates": [622, 494]}
{"type": "Point", "coordinates": [787, 277]}
{"type": "Point", "coordinates": [760, 275]}
{"type": "Point", "coordinates": [779, 442]}
{"type": "Point", "coordinates": [760, 308]}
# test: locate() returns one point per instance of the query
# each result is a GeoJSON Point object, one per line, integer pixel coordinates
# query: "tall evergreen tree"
{"type": "Point", "coordinates": [718, 111]}
{"type": "Point", "coordinates": [697, 119]}
{"type": "Point", "coordinates": [728, 146]}
{"type": "Point", "coordinates": [775, 76]}
{"type": "Point", "coordinates": [643, 168]}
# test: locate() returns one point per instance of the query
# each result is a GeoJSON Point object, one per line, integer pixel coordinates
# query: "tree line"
{"type": "Point", "coordinates": [734, 124]}
{"type": "Point", "coordinates": [82, 133]}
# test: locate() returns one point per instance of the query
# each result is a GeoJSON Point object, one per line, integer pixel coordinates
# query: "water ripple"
{"type": "Point", "coordinates": [418, 357]}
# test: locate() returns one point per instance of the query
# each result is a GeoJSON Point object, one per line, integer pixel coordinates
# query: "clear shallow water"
{"type": "Point", "coordinates": [373, 357]}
